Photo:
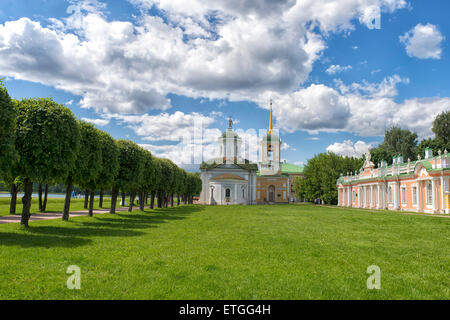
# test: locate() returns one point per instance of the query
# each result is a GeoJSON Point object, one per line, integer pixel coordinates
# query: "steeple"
{"type": "Point", "coordinates": [270, 124]}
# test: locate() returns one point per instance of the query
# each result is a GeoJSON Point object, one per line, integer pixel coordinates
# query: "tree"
{"type": "Point", "coordinates": [47, 142]}
{"type": "Point", "coordinates": [156, 180]}
{"type": "Point", "coordinates": [441, 128]}
{"type": "Point", "coordinates": [110, 164]}
{"type": "Point", "coordinates": [320, 175]}
{"type": "Point", "coordinates": [130, 170]}
{"type": "Point", "coordinates": [87, 164]}
{"type": "Point", "coordinates": [146, 183]}
{"type": "Point", "coordinates": [401, 141]}
{"type": "Point", "coordinates": [8, 155]}
{"type": "Point", "coordinates": [380, 154]}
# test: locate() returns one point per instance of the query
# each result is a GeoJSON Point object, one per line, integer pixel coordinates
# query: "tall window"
{"type": "Point", "coordinates": [429, 194]}
{"type": "Point", "coordinates": [390, 194]}
{"type": "Point", "coordinates": [227, 193]}
{"type": "Point", "coordinates": [403, 195]}
{"type": "Point", "coordinates": [414, 195]}
{"type": "Point", "coordinates": [353, 196]}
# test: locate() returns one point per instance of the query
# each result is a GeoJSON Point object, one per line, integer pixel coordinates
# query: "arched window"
{"type": "Point", "coordinates": [228, 193]}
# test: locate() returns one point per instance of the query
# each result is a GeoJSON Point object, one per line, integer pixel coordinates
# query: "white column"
{"type": "Point", "coordinates": [433, 189]}
{"type": "Point", "coordinates": [442, 193]}
{"type": "Point", "coordinates": [349, 196]}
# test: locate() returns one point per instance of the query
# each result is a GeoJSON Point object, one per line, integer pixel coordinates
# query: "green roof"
{"type": "Point", "coordinates": [291, 168]}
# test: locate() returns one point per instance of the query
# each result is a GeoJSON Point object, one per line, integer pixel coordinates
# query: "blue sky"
{"type": "Point", "coordinates": [146, 70]}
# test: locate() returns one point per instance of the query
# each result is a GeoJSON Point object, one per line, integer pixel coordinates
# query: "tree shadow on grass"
{"type": "Point", "coordinates": [142, 220]}
{"type": "Point", "coordinates": [100, 226]}
{"type": "Point", "coordinates": [47, 241]}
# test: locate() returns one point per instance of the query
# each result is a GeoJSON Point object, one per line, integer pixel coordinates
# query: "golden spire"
{"type": "Point", "coordinates": [270, 124]}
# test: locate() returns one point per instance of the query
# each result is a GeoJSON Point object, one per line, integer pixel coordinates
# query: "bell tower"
{"type": "Point", "coordinates": [270, 150]}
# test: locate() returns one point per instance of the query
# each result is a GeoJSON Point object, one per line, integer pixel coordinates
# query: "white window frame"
{"type": "Point", "coordinates": [429, 194]}
{"type": "Point", "coordinates": [390, 195]}
{"type": "Point", "coordinates": [403, 196]}
{"type": "Point", "coordinates": [414, 195]}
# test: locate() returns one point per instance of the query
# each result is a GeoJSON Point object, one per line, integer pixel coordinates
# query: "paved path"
{"type": "Point", "coordinates": [50, 216]}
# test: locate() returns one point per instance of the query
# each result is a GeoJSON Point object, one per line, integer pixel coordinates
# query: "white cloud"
{"type": "Point", "coordinates": [97, 122]}
{"type": "Point", "coordinates": [122, 67]}
{"type": "Point", "coordinates": [349, 149]}
{"type": "Point", "coordinates": [423, 41]}
{"type": "Point", "coordinates": [366, 109]}
{"type": "Point", "coordinates": [335, 68]}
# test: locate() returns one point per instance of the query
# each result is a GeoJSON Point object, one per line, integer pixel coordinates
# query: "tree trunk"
{"type": "Point", "coordinates": [159, 200]}
{"type": "Point", "coordinates": [123, 199]}
{"type": "Point", "coordinates": [115, 193]}
{"type": "Point", "coordinates": [171, 200]}
{"type": "Point", "coordinates": [40, 197]}
{"type": "Point", "coordinates": [13, 203]}
{"type": "Point", "coordinates": [86, 198]}
{"type": "Point", "coordinates": [166, 200]}
{"type": "Point", "coordinates": [100, 201]}
{"type": "Point", "coordinates": [141, 201]}
{"type": "Point", "coordinates": [178, 199]}
{"type": "Point", "coordinates": [91, 204]}
{"type": "Point", "coordinates": [26, 201]}
{"type": "Point", "coordinates": [44, 205]}
{"type": "Point", "coordinates": [132, 196]}
{"type": "Point", "coordinates": [66, 210]}
{"type": "Point", "coordinates": [152, 200]}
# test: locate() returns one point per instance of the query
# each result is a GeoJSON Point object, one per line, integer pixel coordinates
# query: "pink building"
{"type": "Point", "coordinates": [421, 186]}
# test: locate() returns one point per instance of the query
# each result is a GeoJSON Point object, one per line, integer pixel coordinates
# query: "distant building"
{"type": "Point", "coordinates": [231, 179]}
{"type": "Point", "coordinates": [421, 186]}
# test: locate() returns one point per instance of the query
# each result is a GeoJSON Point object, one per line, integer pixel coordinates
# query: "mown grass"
{"type": "Point", "coordinates": [53, 205]}
{"type": "Point", "coordinates": [229, 252]}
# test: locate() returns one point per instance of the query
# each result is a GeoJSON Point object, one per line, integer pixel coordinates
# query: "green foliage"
{"type": "Point", "coordinates": [8, 155]}
{"type": "Point", "coordinates": [148, 172]}
{"type": "Point", "coordinates": [441, 128]}
{"type": "Point", "coordinates": [110, 161]}
{"type": "Point", "coordinates": [47, 140]}
{"type": "Point", "coordinates": [320, 175]}
{"type": "Point", "coordinates": [89, 158]}
{"type": "Point", "coordinates": [131, 159]}
{"type": "Point", "coordinates": [399, 141]}
{"type": "Point", "coordinates": [380, 154]}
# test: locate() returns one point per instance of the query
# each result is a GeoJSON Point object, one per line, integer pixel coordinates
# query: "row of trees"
{"type": "Point", "coordinates": [322, 171]}
{"type": "Point", "coordinates": [405, 142]}
{"type": "Point", "coordinates": [42, 141]}
{"type": "Point", "coordinates": [320, 175]}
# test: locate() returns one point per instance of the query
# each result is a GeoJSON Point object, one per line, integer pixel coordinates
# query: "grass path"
{"type": "Point", "coordinates": [229, 252]}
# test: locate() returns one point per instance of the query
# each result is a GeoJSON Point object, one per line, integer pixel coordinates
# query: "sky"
{"type": "Point", "coordinates": [168, 74]}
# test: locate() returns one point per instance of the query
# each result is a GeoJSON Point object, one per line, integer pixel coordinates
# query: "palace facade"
{"type": "Point", "coordinates": [232, 179]}
{"type": "Point", "coordinates": [421, 186]}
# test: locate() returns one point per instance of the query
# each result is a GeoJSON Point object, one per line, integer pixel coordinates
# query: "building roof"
{"type": "Point", "coordinates": [228, 176]}
{"type": "Point", "coordinates": [291, 168]}
{"type": "Point", "coordinates": [286, 169]}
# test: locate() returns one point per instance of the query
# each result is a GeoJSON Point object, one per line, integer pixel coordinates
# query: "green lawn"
{"type": "Point", "coordinates": [234, 252]}
{"type": "Point", "coordinates": [53, 205]}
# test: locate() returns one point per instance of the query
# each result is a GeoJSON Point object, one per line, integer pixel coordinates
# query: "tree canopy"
{"type": "Point", "coordinates": [47, 140]}
{"type": "Point", "coordinates": [8, 155]}
{"type": "Point", "coordinates": [320, 175]}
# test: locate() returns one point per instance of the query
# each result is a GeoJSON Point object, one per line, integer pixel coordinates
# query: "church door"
{"type": "Point", "coordinates": [271, 194]}
{"type": "Point", "coordinates": [227, 195]}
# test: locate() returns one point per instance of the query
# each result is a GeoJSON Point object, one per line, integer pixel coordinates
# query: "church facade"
{"type": "Point", "coordinates": [421, 186]}
{"type": "Point", "coordinates": [231, 179]}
